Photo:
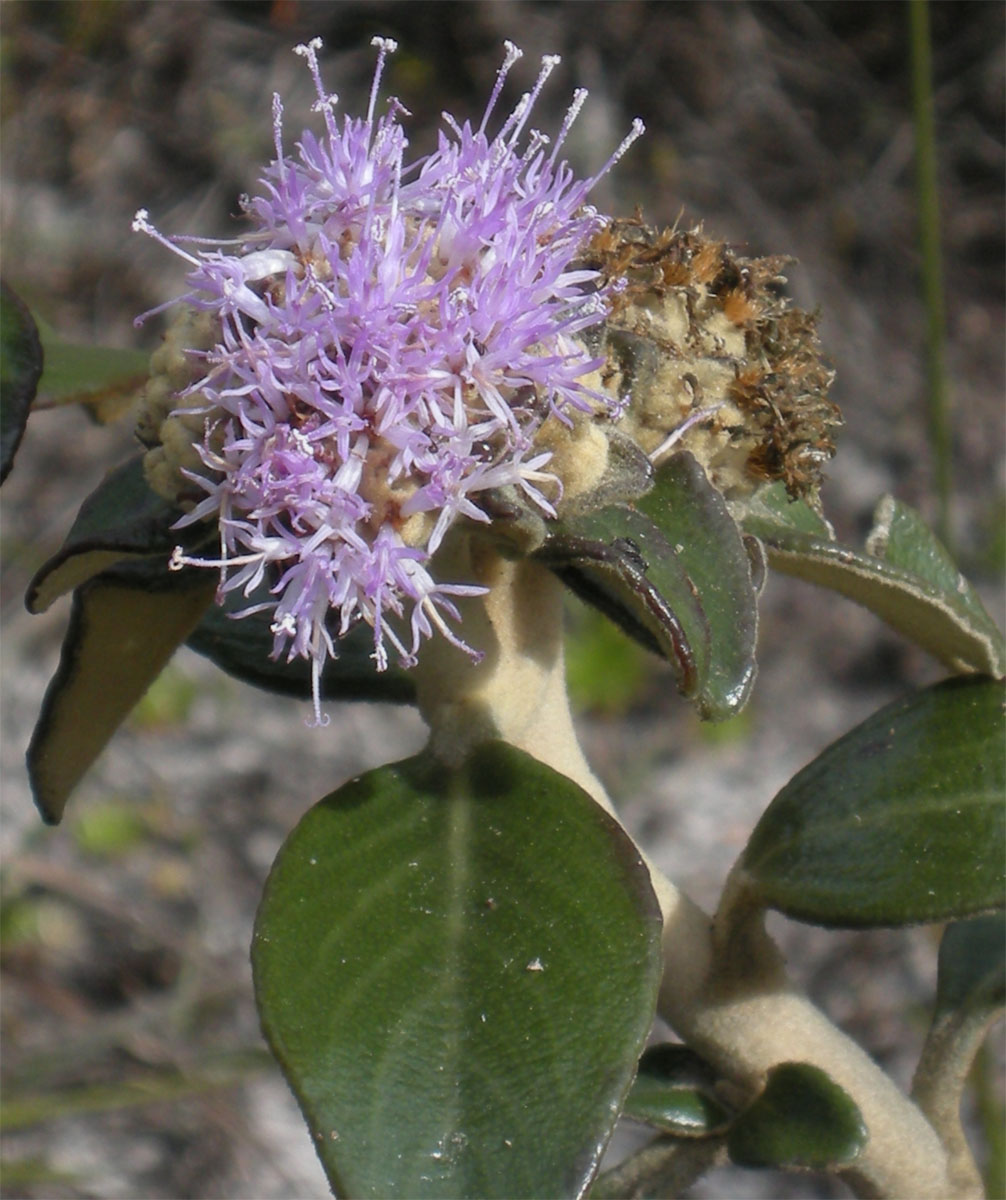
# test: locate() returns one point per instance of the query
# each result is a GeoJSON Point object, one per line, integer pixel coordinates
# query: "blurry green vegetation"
{"type": "Point", "coordinates": [606, 671]}
{"type": "Point", "coordinates": [33, 1172]}
{"type": "Point", "coordinates": [734, 729]}
{"type": "Point", "coordinates": [220, 1070]}
{"type": "Point", "coordinates": [991, 541]}
{"type": "Point", "coordinates": [37, 921]}
{"type": "Point", "coordinates": [109, 829]}
{"type": "Point", "coordinates": [169, 700]}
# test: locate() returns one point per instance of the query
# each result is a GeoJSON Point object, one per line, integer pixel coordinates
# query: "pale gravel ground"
{"type": "Point", "coordinates": [171, 122]}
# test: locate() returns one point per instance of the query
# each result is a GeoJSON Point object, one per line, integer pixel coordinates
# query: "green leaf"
{"type": "Point", "coordinates": [972, 965]}
{"type": "Point", "coordinates": [20, 368]}
{"type": "Point", "coordinates": [899, 821]}
{"type": "Point", "coordinates": [674, 1090]}
{"type": "Point", "coordinates": [801, 1119]}
{"type": "Point", "coordinates": [242, 646]}
{"type": "Point", "coordinates": [694, 518]}
{"type": "Point", "coordinates": [902, 539]}
{"type": "Point", "coordinates": [906, 576]}
{"type": "Point", "coordinates": [457, 970]}
{"type": "Point", "coordinates": [119, 638]}
{"type": "Point", "coordinates": [676, 575]}
{"type": "Point", "coordinates": [770, 513]}
{"type": "Point", "coordinates": [618, 561]}
{"type": "Point", "coordinates": [104, 379]}
{"type": "Point", "coordinates": [121, 519]}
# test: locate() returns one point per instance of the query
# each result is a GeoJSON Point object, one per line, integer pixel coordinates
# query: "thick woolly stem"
{"type": "Point", "coordinates": [518, 691]}
{"type": "Point", "coordinates": [724, 988]}
{"type": "Point", "coordinates": [746, 1017]}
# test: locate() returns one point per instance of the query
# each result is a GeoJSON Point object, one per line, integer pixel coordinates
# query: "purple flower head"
{"type": "Point", "coordinates": [392, 337]}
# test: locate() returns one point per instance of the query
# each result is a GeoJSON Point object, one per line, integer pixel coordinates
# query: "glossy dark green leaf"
{"type": "Point", "coordinates": [457, 970]}
{"type": "Point", "coordinates": [242, 647]}
{"type": "Point", "coordinates": [674, 1090]}
{"type": "Point", "coordinates": [20, 368]}
{"type": "Point", "coordinates": [905, 576]}
{"type": "Point", "coordinates": [801, 1119]}
{"type": "Point", "coordinates": [121, 519]}
{"type": "Point", "coordinates": [901, 820]}
{"type": "Point", "coordinates": [618, 561]}
{"type": "Point", "coordinates": [694, 518]}
{"type": "Point", "coordinates": [972, 964]}
{"type": "Point", "coordinates": [118, 641]}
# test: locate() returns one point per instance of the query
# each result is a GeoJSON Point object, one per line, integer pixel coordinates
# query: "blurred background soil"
{"type": "Point", "coordinates": [132, 1060]}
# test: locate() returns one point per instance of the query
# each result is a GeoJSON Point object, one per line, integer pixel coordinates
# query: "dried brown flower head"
{"type": "Point", "coordinates": [714, 357]}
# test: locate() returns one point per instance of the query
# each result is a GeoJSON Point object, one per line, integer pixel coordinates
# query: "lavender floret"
{"type": "Point", "coordinates": [392, 337]}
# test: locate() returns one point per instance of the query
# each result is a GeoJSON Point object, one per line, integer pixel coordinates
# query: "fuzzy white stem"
{"type": "Point", "coordinates": [518, 691]}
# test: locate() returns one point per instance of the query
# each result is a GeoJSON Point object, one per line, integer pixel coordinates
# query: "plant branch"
{"type": "Point", "coordinates": [745, 1016]}
{"type": "Point", "coordinates": [947, 1056]}
{"type": "Point", "coordinates": [663, 1168]}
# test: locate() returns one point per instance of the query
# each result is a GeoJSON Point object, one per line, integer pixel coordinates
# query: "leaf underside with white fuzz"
{"type": "Point", "coordinates": [119, 639]}
{"type": "Point", "coordinates": [457, 970]}
{"type": "Point", "coordinates": [802, 1119]}
{"type": "Point", "coordinates": [900, 821]}
{"type": "Point", "coordinates": [20, 368]}
{"type": "Point", "coordinates": [905, 576]}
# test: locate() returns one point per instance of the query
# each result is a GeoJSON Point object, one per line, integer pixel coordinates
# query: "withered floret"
{"type": "Point", "coordinates": [703, 336]}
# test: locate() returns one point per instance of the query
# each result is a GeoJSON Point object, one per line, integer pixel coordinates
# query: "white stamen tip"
{"type": "Point", "coordinates": [140, 222]}
{"type": "Point", "coordinates": [513, 53]}
{"type": "Point", "coordinates": [388, 45]}
{"type": "Point", "coordinates": [636, 131]}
